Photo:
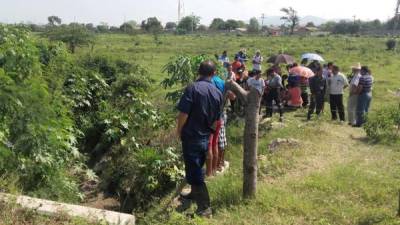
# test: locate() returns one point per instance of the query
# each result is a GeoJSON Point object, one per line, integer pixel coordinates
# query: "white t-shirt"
{"type": "Point", "coordinates": [257, 60]}
{"type": "Point", "coordinates": [257, 84]}
{"type": "Point", "coordinates": [355, 80]}
{"type": "Point", "coordinates": [337, 84]}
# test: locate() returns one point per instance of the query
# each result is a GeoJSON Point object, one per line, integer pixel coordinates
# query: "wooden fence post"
{"type": "Point", "coordinates": [252, 101]}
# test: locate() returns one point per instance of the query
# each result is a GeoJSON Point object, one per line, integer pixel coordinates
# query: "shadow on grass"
{"type": "Point", "coordinates": [363, 139]}
{"type": "Point", "coordinates": [226, 191]}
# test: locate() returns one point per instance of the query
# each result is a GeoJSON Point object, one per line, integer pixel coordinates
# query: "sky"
{"type": "Point", "coordinates": [115, 12]}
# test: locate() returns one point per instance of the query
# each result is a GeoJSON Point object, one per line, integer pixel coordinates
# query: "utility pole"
{"type": "Point", "coordinates": [181, 9]}
{"type": "Point", "coordinates": [354, 19]}
{"type": "Point", "coordinates": [396, 16]}
{"type": "Point", "coordinates": [262, 20]}
{"type": "Point", "coordinates": [193, 22]}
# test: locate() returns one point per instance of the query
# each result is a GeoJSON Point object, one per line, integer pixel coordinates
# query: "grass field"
{"type": "Point", "coordinates": [335, 176]}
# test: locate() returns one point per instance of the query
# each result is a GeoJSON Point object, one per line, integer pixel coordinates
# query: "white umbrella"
{"type": "Point", "coordinates": [312, 56]}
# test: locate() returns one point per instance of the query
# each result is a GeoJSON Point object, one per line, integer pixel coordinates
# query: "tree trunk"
{"type": "Point", "coordinates": [252, 102]}
{"type": "Point", "coordinates": [250, 143]}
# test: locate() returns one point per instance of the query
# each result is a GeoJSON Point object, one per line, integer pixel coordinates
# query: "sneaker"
{"type": "Point", "coordinates": [206, 213]}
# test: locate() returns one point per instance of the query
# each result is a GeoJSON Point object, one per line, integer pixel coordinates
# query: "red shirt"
{"type": "Point", "coordinates": [295, 97]}
{"type": "Point", "coordinates": [236, 65]}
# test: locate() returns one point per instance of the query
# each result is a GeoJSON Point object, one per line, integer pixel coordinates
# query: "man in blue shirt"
{"type": "Point", "coordinates": [199, 110]}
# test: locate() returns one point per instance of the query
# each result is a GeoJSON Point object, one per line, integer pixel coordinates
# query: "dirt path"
{"type": "Point", "coordinates": [338, 144]}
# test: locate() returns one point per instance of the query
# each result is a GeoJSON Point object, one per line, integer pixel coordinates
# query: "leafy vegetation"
{"type": "Point", "coordinates": [61, 116]}
{"type": "Point", "coordinates": [384, 125]}
{"type": "Point", "coordinates": [108, 99]}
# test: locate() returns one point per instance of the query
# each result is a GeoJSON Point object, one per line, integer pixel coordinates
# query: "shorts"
{"type": "Point", "coordinates": [222, 142]}
{"type": "Point", "coordinates": [214, 137]}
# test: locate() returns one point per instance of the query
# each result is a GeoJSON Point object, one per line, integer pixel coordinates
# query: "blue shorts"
{"type": "Point", "coordinates": [194, 155]}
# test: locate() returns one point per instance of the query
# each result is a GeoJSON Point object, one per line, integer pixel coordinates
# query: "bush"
{"type": "Point", "coordinates": [37, 136]}
{"type": "Point", "coordinates": [384, 125]}
{"type": "Point", "coordinates": [391, 44]}
{"type": "Point", "coordinates": [140, 176]}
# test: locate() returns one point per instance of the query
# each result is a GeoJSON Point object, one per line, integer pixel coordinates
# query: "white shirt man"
{"type": "Point", "coordinates": [256, 82]}
{"type": "Point", "coordinates": [337, 83]}
{"type": "Point", "coordinates": [257, 61]}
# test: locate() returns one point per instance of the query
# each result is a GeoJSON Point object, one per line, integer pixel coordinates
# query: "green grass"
{"type": "Point", "coordinates": [334, 176]}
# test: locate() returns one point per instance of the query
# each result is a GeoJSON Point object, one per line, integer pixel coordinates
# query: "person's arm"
{"type": "Point", "coordinates": [184, 107]}
{"type": "Point", "coordinates": [180, 122]}
{"type": "Point", "coordinates": [346, 82]}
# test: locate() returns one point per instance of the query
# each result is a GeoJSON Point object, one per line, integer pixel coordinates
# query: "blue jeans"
{"type": "Point", "coordinates": [194, 155]}
{"type": "Point", "coordinates": [363, 103]}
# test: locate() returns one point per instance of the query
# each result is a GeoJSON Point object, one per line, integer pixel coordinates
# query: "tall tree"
{"type": "Point", "coordinates": [218, 24]}
{"type": "Point", "coordinates": [152, 25]}
{"type": "Point", "coordinates": [231, 24]}
{"type": "Point", "coordinates": [189, 23]}
{"type": "Point", "coordinates": [54, 20]}
{"type": "Point", "coordinates": [103, 27]}
{"type": "Point", "coordinates": [291, 17]}
{"type": "Point", "coordinates": [73, 35]}
{"type": "Point", "coordinates": [126, 28]}
{"type": "Point", "coordinates": [254, 25]}
{"type": "Point", "coordinates": [170, 25]}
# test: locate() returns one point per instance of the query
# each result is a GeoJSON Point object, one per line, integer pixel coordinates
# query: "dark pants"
{"type": "Point", "coordinates": [363, 103]}
{"type": "Point", "coordinates": [194, 155]}
{"type": "Point", "coordinates": [337, 106]}
{"type": "Point", "coordinates": [317, 104]}
{"type": "Point", "coordinates": [273, 95]}
{"type": "Point", "coordinates": [304, 96]}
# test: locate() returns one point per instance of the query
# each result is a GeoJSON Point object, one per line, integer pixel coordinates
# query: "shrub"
{"type": "Point", "coordinates": [140, 176]}
{"type": "Point", "coordinates": [391, 44]}
{"type": "Point", "coordinates": [37, 136]}
{"type": "Point", "coordinates": [384, 125]}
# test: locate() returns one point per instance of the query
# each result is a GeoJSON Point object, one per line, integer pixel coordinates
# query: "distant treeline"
{"type": "Point", "coordinates": [191, 24]}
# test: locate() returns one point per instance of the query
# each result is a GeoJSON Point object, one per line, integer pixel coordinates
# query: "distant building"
{"type": "Point", "coordinates": [240, 30]}
{"type": "Point", "coordinates": [275, 31]}
{"type": "Point", "coordinates": [306, 30]}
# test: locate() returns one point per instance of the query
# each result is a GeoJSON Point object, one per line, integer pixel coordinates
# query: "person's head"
{"type": "Point", "coordinates": [356, 68]}
{"type": "Point", "coordinates": [335, 69]}
{"type": "Point", "coordinates": [270, 72]}
{"type": "Point", "coordinates": [330, 65]}
{"type": "Point", "coordinates": [288, 67]}
{"type": "Point", "coordinates": [258, 52]}
{"type": "Point", "coordinates": [295, 64]}
{"type": "Point", "coordinates": [365, 70]}
{"type": "Point", "coordinates": [277, 69]}
{"type": "Point", "coordinates": [224, 53]}
{"type": "Point", "coordinates": [257, 73]}
{"type": "Point", "coordinates": [236, 58]}
{"type": "Point", "coordinates": [229, 68]}
{"type": "Point", "coordinates": [207, 68]}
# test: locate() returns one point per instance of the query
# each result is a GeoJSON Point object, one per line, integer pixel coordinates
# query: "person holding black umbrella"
{"type": "Point", "coordinates": [274, 84]}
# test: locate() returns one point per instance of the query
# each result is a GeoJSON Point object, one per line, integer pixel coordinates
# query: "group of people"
{"type": "Point", "coordinates": [292, 91]}
{"type": "Point", "coordinates": [202, 117]}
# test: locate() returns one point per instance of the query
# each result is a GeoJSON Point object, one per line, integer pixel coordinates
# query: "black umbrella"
{"type": "Point", "coordinates": [281, 59]}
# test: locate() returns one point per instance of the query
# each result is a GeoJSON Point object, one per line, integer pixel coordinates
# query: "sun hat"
{"type": "Point", "coordinates": [357, 66]}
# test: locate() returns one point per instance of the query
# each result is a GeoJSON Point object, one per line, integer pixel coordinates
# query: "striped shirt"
{"type": "Point", "coordinates": [366, 82]}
